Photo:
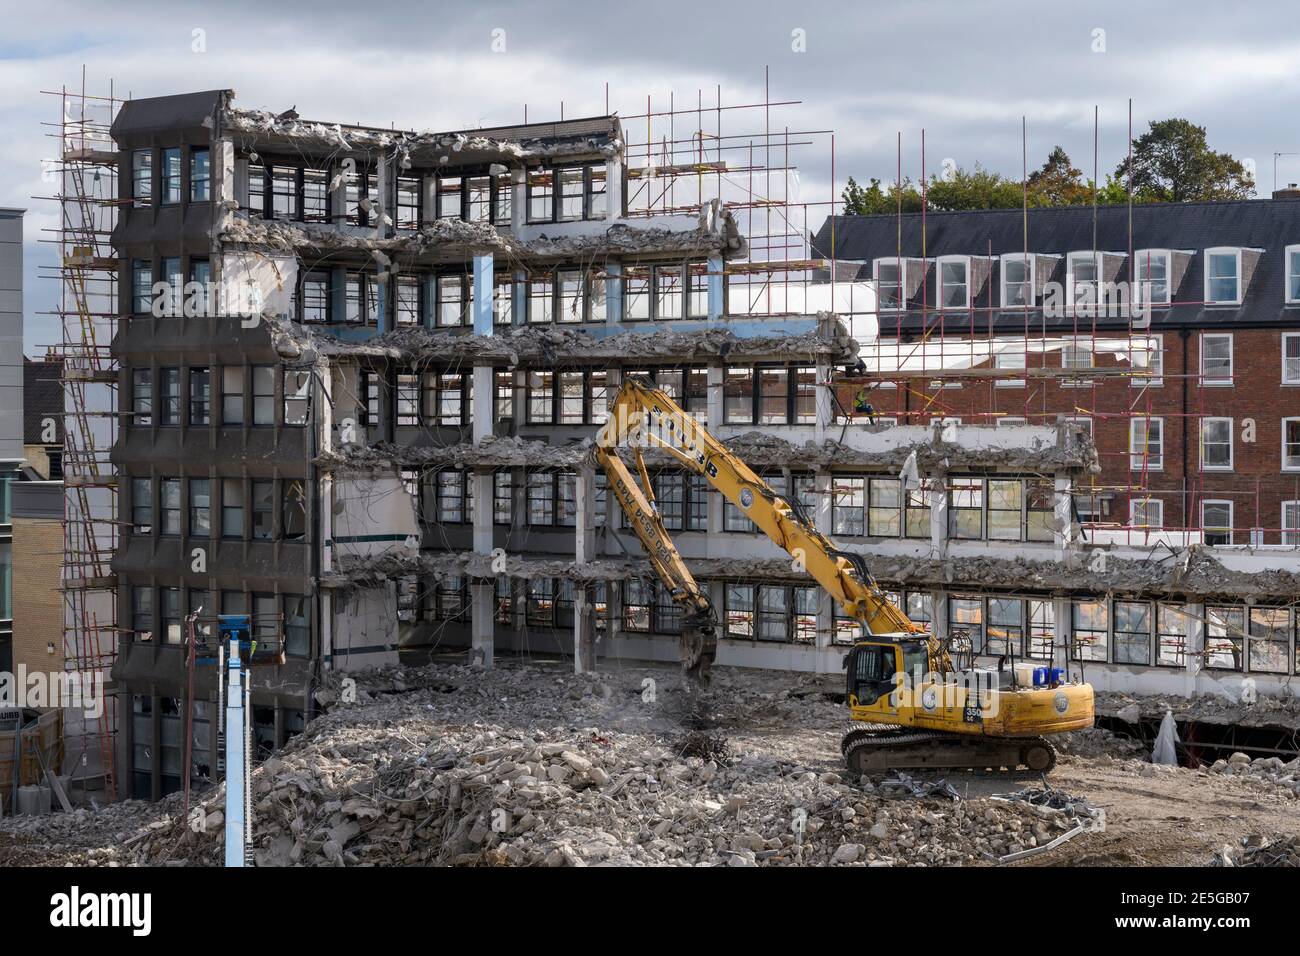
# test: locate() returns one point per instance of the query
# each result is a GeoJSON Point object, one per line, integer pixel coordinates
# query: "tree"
{"type": "Point", "coordinates": [976, 189]}
{"type": "Point", "coordinates": [873, 201]}
{"type": "Point", "coordinates": [1172, 162]}
{"type": "Point", "coordinates": [1058, 183]}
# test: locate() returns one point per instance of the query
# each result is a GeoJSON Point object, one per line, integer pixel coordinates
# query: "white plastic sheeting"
{"type": "Point", "coordinates": [1166, 748]}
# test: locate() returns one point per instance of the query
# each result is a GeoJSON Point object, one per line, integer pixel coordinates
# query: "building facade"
{"type": "Point", "coordinates": [1172, 335]}
{"type": "Point", "coordinates": [11, 409]}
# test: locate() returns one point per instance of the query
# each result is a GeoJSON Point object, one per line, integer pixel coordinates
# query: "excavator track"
{"type": "Point", "coordinates": [877, 748]}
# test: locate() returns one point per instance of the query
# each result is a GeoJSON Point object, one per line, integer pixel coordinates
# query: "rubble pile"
{"type": "Point", "coordinates": [1221, 708]}
{"type": "Point", "coordinates": [1265, 772]}
{"type": "Point", "coordinates": [526, 765]}
{"type": "Point", "coordinates": [1258, 850]}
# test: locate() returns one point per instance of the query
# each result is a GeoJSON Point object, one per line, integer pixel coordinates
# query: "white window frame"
{"type": "Point", "coordinates": [1075, 341]}
{"type": "Point", "coordinates": [1140, 259]}
{"type": "Point", "coordinates": [1155, 461]}
{"type": "Point", "coordinates": [1070, 300]}
{"type": "Point", "coordinates": [1156, 358]}
{"type": "Point", "coordinates": [1294, 379]}
{"type": "Point", "coordinates": [1231, 443]}
{"type": "Point", "coordinates": [1285, 466]}
{"type": "Point", "coordinates": [1016, 351]}
{"type": "Point", "coordinates": [1232, 517]}
{"type": "Point", "coordinates": [1221, 251]}
{"type": "Point", "coordinates": [1208, 382]}
{"type": "Point", "coordinates": [1020, 258]}
{"type": "Point", "coordinates": [939, 263]}
{"type": "Point", "coordinates": [1148, 503]}
{"type": "Point", "coordinates": [1287, 274]}
{"type": "Point", "coordinates": [901, 262]}
{"type": "Point", "coordinates": [1291, 533]}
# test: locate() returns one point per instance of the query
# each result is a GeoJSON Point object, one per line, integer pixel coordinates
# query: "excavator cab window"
{"type": "Point", "coordinates": [871, 672]}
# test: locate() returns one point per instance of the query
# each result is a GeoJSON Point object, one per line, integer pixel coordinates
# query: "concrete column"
{"type": "Point", "coordinates": [482, 403]}
{"type": "Point", "coordinates": [939, 611]}
{"type": "Point", "coordinates": [1195, 620]}
{"type": "Point", "coordinates": [613, 189]}
{"type": "Point", "coordinates": [1061, 633]}
{"type": "Point", "coordinates": [584, 549]}
{"type": "Point", "coordinates": [939, 512]}
{"type": "Point", "coordinates": [824, 401]}
{"type": "Point", "coordinates": [518, 200]}
{"type": "Point", "coordinates": [717, 297]}
{"type": "Point", "coordinates": [1064, 513]}
{"type": "Point", "coordinates": [519, 298]}
{"type": "Point", "coordinates": [613, 293]}
{"type": "Point", "coordinates": [822, 486]}
{"type": "Point", "coordinates": [715, 402]}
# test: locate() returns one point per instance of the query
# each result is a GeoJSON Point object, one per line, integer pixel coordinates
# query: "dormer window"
{"type": "Point", "coordinates": [1223, 276]}
{"type": "Point", "coordinates": [1152, 270]}
{"type": "Point", "coordinates": [954, 282]}
{"type": "Point", "coordinates": [1017, 280]}
{"type": "Point", "coordinates": [890, 283]}
{"type": "Point", "coordinates": [1082, 271]}
{"type": "Point", "coordinates": [1293, 275]}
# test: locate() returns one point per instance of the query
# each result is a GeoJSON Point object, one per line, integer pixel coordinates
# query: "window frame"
{"type": "Point", "coordinates": [1144, 257]}
{"type": "Point", "coordinates": [1029, 260]}
{"type": "Point", "coordinates": [1207, 420]}
{"type": "Point", "coordinates": [1285, 422]}
{"type": "Point", "coordinates": [1214, 251]}
{"type": "Point", "coordinates": [1295, 379]}
{"type": "Point", "coordinates": [939, 283]}
{"type": "Point", "coordinates": [1143, 459]}
{"type": "Point", "coordinates": [1229, 529]}
{"type": "Point", "coordinates": [1205, 381]}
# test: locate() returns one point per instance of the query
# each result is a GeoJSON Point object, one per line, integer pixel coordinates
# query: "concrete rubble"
{"type": "Point", "coordinates": [1263, 711]}
{"type": "Point", "coordinates": [454, 240]}
{"type": "Point", "coordinates": [1260, 850]}
{"type": "Point", "coordinates": [1264, 772]}
{"type": "Point", "coordinates": [546, 345]}
{"type": "Point", "coordinates": [455, 765]}
{"type": "Point", "coordinates": [426, 145]}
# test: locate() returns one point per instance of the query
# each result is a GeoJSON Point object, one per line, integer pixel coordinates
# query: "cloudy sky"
{"type": "Point", "coordinates": [964, 71]}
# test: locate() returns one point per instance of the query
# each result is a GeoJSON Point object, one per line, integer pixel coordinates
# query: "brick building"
{"type": "Point", "coordinates": [1196, 418]}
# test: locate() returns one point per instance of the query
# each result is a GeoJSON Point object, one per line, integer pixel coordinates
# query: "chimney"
{"type": "Point", "coordinates": [1292, 191]}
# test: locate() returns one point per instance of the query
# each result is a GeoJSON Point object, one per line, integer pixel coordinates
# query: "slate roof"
{"type": "Point", "coordinates": [1267, 224]}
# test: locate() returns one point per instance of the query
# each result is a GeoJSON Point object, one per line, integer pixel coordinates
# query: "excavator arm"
{"type": "Point", "coordinates": [699, 630]}
{"type": "Point", "coordinates": [645, 417]}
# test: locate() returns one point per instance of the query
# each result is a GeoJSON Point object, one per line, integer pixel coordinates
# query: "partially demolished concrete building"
{"type": "Point", "coordinates": [360, 374]}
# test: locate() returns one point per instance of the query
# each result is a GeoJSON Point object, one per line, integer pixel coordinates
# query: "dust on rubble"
{"type": "Point", "coordinates": [531, 765]}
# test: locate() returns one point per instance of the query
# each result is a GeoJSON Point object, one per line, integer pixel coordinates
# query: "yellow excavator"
{"type": "Point", "coordinates": [911, 707]}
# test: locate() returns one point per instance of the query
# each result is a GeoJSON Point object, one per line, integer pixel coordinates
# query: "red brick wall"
{"type": "Point", "coordinates": [1256, 485]}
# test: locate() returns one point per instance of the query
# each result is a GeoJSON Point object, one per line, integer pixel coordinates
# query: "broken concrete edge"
{"type": "Point", "coordinates": [425, 146]}
{"type": "Point", "coordinates": [550, 344]}
{"type": "Point", "coordinates": [455, 239]}
{"type": "Point", "coordinates": [1193, 575]}
{"type": "Point", "coordinates": [1266, 711]}
{"type": "Point", "coordinates": [754, 448]}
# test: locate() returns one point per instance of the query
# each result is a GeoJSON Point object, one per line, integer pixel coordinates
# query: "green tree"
{"type": "Point", "coordinates": [1172, 162]}
{"type": "Point", "coordinates": [873, 200]}
{"type": "Point", "coordinates": [975, 189]}
{"type": "Point", "coordinates": [1058, 183]}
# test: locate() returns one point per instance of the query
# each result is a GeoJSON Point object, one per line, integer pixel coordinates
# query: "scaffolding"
{"type": "Point", "coordinates": [86, 173]}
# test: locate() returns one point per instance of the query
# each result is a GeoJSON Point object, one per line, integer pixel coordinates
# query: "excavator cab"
{"type": "Point", "coordinates": [870, 672]}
